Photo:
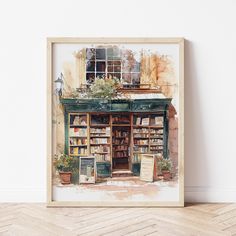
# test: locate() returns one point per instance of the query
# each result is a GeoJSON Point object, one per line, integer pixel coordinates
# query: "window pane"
{"type": "Point", "coordinates": [109, 53]}
{"type": "Point", "coordinates": [100, 66]}
{"type": "Point", "coordinates": [118, 63]}
{"type": "Point", "coordinates": [101, 53]}
{"type": "Point", "coordinates": [114, 75]}
{"type": "Point", "coordinates": [117, 68]}
{"type": "Point", "coordinates": [110, 75]}
{"type": "Point", "coordinates": [90, 66]}
{"type": "Point", "coordinates": [126, 69]}
{"type": "Point", "coordinates": [126, 78]}
{"type": "Point", "coordinates": [113, 53]}
{"type": "Point", "coordinates": [116, 53]}
{"type": "Point", "coordinates": [100, 75]}
{"type": "Point", "coordinates": [135, 78]}
{"type": "Point", "coordinates": [117, 75]}
{"type": "Point", "coordinates": [90, 53]}
{"type": "Point", "coordinates": [110, 69]}
{"type": "Point", "coordinates": [90, 77]}
{"type": "Point", "coordinates": [136, 67]}
{"type": "Point", "coordinates": [110, 63]}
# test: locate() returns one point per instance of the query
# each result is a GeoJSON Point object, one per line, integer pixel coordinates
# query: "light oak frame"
{"type": "Point", "coordinates": [51, 134]}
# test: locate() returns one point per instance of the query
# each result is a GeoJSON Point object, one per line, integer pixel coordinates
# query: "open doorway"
{"type": "Point", "coordinates": [121, 136]}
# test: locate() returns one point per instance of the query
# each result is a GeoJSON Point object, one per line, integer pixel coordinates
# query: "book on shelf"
{"type": "Point", "coordinates": [159, 120]}
{"type": "Point", "coordinates": [121, 148]}
{"type": "Point", "coordinates": [137, 157]}
{"type": "Point", "coordinates": [153, 148]}
{"type": "Point", "coordinates": [100, 149]}
{"type": "Point", "coordinates": [76, 121]}
{"type": "Point", "coordinates": [120, 154]}
{"type": "Point", "coordinates": [120, 119]}
{"type": "Point", "coordinates": [120, 133]}
{"type": "Point", "coordinates": [145, 121]}
{"type": "Point", "coordinates": [140, 149]}
{"type": "Point", "coordinates": [137, 135]}
{"type": "Point", "coordinates": [160, 136]}
{"type": "Point", "coordinates": [75, 131]}
{"type": "Point", "coordinates": [77, 151]}
{"type": "Point", "coordinates": [156, 131]}
{"type": "Point", "coordinates": [123, 141]}
{"type": "Point", "coordinates": [99, 140]}
{"type": "Point", "coordinates": [142, 130]}
{"type": "Point", "coordinates": [100, 131]}
{"type": "Point", "coordinates": [156, 141]}
{"type": "Point", "coordinates": [102, 157]}
{"type": "Point", "coordinates": [80, 120]}
{"type": "Point", "coordinates": [138, 121]}
{"type": "Point", "coordinates": [78, 141]}
{"type": "Point", "coordinates": [141, 141]}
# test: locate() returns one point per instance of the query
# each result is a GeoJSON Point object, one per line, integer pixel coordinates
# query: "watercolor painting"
{"type": "Point", "coordinates": [115, 122]}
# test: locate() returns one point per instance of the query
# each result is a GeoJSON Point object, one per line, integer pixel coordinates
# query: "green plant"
{"type": "Point", "coordinates": [165, 164]}
{"type": "Point", "coordinates": [104, 88]}
{"type": "Point", "coordinates": [64, 163]}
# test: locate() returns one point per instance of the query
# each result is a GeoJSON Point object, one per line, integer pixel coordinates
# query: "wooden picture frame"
{"type": "Point", "coordinates": [134, 110]}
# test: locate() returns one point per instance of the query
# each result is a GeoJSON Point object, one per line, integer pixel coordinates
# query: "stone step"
{"type": "Point", "coordinates": [121, 173]}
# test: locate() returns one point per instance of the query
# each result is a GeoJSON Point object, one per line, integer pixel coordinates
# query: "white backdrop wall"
{"type": "Point", "coordinates": [210, 80]}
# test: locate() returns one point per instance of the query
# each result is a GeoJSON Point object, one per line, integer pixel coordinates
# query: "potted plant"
{"type": "Point", "coordinates": [64, 164]}
{"type": "Point", "coordinates": [165, 166]}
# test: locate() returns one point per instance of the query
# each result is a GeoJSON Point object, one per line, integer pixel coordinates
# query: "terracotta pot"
{"type": "Point", "coordinates": [166, 174]}
{"type": "Point", "coordinates": [65, 177]}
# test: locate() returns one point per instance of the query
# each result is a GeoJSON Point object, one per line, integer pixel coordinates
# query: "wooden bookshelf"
{"type": "Point", "coordinates": [145, 126]}
{"type": "Point", "coordinates": [100, 137]}
{"type": "Point", "coordinates": [115, 140]}
{"type": "Point", "coordinates": [78, 134]}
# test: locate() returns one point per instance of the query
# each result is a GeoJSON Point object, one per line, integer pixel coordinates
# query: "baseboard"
{"type": "Point", "coordinates": [192, 194]}
{"type": "Point", "coordinates": [209, 194]}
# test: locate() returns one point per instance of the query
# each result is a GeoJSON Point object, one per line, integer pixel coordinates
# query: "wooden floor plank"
{"type": "Point", "coordinates": [124, 216]}
{"type": "Point", "coordinates": [195, 219]}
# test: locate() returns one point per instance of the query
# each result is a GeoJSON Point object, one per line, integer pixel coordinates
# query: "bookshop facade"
{"type": "Point", "coordinates": [116, 132]}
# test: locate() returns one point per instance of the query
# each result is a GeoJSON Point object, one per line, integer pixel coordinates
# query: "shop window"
{"type": "Point", "coordinates": [112, 63]}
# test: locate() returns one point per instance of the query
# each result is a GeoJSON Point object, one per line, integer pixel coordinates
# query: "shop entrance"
{"type": "Point", "coordinates": [121, 137]}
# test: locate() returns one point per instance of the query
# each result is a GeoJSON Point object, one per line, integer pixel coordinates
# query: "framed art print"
{"type": "Point", "coordinates": [115, 122]}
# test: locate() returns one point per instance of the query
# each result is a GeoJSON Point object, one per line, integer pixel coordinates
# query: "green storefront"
{"type": "Point", "coordinates": [117, 132]}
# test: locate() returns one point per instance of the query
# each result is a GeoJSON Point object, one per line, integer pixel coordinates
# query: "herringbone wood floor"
{"type": "Point", "coordinates": [198, 219]}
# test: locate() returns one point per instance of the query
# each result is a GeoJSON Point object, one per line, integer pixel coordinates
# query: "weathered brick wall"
{"type": "Point", "coordinates": [173, 139]}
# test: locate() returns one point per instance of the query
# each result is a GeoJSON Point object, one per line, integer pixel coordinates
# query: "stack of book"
{"type": "Point", "coordinates": [100, 149]}
{"type": "Point", "coordinates": [141, 131]}
{"type": "Point", "coordinates": [142, 120]}
{"type": "Point", "coordinates": [140, 149]}
{"type": "Point", "coordinates": [80, 120]}
{"type": "Point", "coordinates": [102, 157]}
{"type": "Point", "coordinates": [100, 131]}
{"type": "Point", "coordinates": [99, 141]}
{"type": "Point", "coordinates": [140, 141]}
{"type": "Point", "coordinates": [78, 141]}
{"type": "Point", "coordinates": [78, 150]}
{"type": "Point", "coordinates": [156, 141]}
{"type": "Point", "coordinates": [78, 132]}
